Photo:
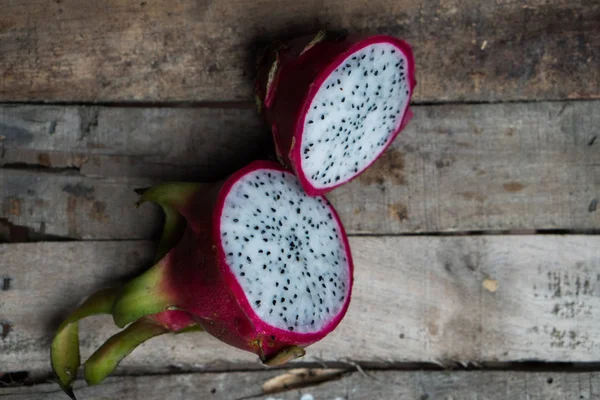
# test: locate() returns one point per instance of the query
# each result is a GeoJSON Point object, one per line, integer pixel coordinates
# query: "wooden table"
{"type": "Point", "coordinates": [475, 236]}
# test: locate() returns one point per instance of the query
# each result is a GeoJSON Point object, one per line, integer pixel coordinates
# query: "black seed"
{"type": "Point", "coordinates": [274, 302]}
{"type": "Point", "coordinates": [236, 220]}
{"type": "Point", "coordinates": [257, 302]}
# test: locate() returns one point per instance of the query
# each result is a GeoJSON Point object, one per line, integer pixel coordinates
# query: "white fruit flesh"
{"type": "Point", "coordinates": [354, 114]}
{"type": "Point", "coordinates": [286, 250]}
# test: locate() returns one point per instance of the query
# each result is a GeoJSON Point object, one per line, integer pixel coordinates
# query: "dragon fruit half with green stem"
{"type": "Point", "coordinates": [334, 103]}
{"type": "Point", "coordinates": [252, 260]}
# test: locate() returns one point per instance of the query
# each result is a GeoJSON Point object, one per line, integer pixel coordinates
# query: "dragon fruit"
{"type": "Point", "coordinates": [257, 263]}
{"type": "Point", "coordinates": [335, 103]}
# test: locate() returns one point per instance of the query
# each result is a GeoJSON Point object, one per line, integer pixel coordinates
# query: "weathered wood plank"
{"type": "Point", "coordinates": [69, 206]}
{"type": "Point", "coordinates": [455, 168]}
{"type": "Point", "coordinates": [424, 299]}
{"type": "Point", "coordinates": [189, 50]}
{"type": "Point", "coordinates": [472, 385]}
{"type": "Point", "coordinates": [167, 143]}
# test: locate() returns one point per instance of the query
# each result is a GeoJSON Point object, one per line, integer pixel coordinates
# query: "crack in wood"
{"type": "Point", "coordinates": [21, 166]}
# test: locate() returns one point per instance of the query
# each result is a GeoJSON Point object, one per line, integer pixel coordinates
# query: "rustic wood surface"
{"type": "Point", "coordinates": [423, 385]}
{"type": "Point", "coordinates": [150, 91]}
{"type": "Point", "coordinates": [424, 299]}
{"type": "Point", "coordinates": [455, 168]}
{"type": "Point", "coordinates": [190, 50]}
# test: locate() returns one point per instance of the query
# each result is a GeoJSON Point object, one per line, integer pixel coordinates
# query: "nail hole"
{"type": "Point", "coordinates": [5, 283]}
{"type": "Point", "coordinates": [549, 380]}
{"type": "Point", "coordinates": [213, 390]}
{"type": "Point", "coordinates": [5, 328]}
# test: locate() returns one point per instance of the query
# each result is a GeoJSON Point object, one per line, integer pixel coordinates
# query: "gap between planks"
{"type": "Point", "coordinates": [244, 105]}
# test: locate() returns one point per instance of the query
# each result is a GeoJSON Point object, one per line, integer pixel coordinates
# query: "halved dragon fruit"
{"type": "Point", "coordinates": [260, 265]}
{"type": "Point", "coordinates": [335, 103]}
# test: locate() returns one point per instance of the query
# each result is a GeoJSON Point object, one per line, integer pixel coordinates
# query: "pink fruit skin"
{"type": "Point", "coordinates": [298, 78]}
{"type": "Point", "coordinates": [200, 279]}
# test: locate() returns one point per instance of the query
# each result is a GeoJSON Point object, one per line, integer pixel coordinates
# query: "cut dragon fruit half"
{"type": "Point", "coordinates": [335, 103]}
{"type": "Point", "coordinates": [260, 265]}
{"type": "Point", "coordinates": [286, 251]}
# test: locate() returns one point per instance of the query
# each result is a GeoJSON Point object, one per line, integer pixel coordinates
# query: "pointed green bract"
{"type": "Point", "coordinates": [64, 353]}
{"type": "Point", "coordinates": [171, 197]}
{"type": "Point", "coordinates": [172, 231]}
{"type": "Point", "coordinates": [173, 194]}
{"type": "Point", "coordinates": [65, 356]}
{"type": "Point", "coordinates": [189, 329]}
{"type": "Point", "coordinates": [109, 355]}
{"type": "Point", "coordinates": [143, 296]}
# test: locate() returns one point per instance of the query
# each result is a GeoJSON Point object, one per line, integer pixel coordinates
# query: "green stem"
{"type": "Point", "coordinates": [109, 355]}
{"type": "Point", "coordinates": [64, 353]}
{"type": "Point", "coordinates": [284, 356]}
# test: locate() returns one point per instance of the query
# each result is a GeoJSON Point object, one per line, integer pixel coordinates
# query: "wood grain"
{"type": "Point", "coordinates": [204, 51]}
{"type": "Point", "coordinates": [161, 143]}
{"type": "Point", "coordinates": [489, 385]}
{"type": "Point", "coordinates": [455, 168]}
{"type": "Point", "coordinates": [423, 299]}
